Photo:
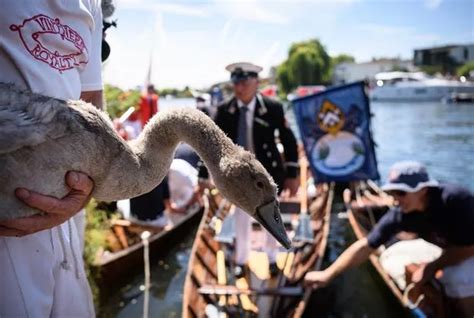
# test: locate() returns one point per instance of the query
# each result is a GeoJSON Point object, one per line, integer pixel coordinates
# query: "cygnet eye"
{"type": "Point", "coordinates": [260, 184]}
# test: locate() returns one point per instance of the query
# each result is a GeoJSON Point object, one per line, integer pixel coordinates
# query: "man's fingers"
{"type": "Point", "coordinates": [81, 187]}
{"type": "Point", "coordinates": [80, 182]}
{"type": "Point", "coordinates": [6, 231]}
{"type": "Point", "coordinates": [311, 284]}
{"type": "Point", "coordinates": [39, 201]}
{"type": "Point", "coordinates": [57, 211]}
{"type": "Point", "coordinates": [31, 224]}
{"type": "Point", "coordinates": [293, 191]}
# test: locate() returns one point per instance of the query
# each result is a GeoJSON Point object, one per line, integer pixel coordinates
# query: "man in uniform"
{"type": "Point", "coordinates": [252, 120]}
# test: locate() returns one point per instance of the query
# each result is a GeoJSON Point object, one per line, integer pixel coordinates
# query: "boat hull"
{"type": "Point", "coordinates": [210, 288]}
{"type": "Point", "coordinates": [417, 93]}
{"type": "Point", "coordinates": [117, 268]}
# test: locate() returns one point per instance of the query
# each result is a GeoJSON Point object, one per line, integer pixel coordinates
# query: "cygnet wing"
{"type": "Point", "coordinates": [28, 119]}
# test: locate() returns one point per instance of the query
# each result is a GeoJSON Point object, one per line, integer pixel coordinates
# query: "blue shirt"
{"type": "Point", "coordinates": [448, 220]}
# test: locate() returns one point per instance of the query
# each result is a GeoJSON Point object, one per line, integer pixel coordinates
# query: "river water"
{"type": "Point", "coordinates": [439, 135]}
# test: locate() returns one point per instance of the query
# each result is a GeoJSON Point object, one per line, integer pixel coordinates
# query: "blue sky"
{"type": "Point", "coordinates": [193, 41]}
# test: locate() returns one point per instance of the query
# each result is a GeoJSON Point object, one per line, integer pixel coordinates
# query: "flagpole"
{"type": "Point", "coordinates": [149, 70]}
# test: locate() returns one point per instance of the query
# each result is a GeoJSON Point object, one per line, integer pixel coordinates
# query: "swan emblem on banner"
{"type": "Point", "coordinates": [338, 152]}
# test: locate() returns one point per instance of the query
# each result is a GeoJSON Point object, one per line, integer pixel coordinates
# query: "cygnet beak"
{"type": "Point", "coordinates": [269, 216]}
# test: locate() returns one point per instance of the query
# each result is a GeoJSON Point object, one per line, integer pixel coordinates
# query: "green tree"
{"type": "Point", "coordinates": [186, 92]}
{"type": "Point", "coordinates": [342, 58]}
{"type": "Point", "coordinates": [465, 69]}
{"type": "Point", "coordinates": [432, 69]}
{"type": "Point", "coordinates": [308, 63]}
{"type": "Point", "coordinates": [118, 101]}
{"type": "Point", "coordinates": [283, 78]}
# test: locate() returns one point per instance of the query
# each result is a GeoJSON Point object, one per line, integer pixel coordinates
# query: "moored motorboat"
{"type": "Point", "coordinates": [406, 86]}
{"type": "Point", "coordinates": [210, 288]}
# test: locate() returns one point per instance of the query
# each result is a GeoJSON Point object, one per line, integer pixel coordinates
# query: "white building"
{"type": "Point", "coordinates": [351, 72]}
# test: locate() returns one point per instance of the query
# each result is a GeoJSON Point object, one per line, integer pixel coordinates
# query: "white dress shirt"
{"type": "Point", "coordinates": [250, 112]}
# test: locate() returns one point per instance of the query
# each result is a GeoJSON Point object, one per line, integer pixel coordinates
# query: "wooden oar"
{"type": "Point", "coordinates": [233, 290]}
{"type": "Point", "coordinates": [227, 232]}
{"type": "Point", "coordinates": [221, 275]}
{"type": "Point", "coordinates": [304, 232]}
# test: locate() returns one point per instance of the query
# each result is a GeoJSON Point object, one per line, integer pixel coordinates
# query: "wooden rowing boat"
{"type": "Point", "coordinates": [210, 287]}
{"type": "Point", "coordinates": [366, 203]}
{"type": "Point", "coordinates": [126, 258]}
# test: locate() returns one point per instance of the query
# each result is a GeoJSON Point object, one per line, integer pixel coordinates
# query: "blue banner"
{"type": "Point", "coordinates": [335, 130]}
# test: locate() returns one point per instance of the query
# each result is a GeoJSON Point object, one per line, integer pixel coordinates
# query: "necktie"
{"type": "Point", "coordinates": [242, 128]}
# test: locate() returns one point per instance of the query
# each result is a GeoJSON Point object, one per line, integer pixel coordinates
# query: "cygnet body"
{"type": "Point", "coordinates": [41, 138]}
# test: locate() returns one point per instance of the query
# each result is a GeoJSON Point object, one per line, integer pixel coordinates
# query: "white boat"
{"type": "Point", "coordinates": [417, 86]}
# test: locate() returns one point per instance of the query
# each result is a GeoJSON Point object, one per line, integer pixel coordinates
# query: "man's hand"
{"type": "Point", "coordinates": [317, 279]}
{"type": "Point", "coordinates": [423, 274]}
{"type": "Point", "coordinates": [57, 211]}
{"type": "Point", "coordinates": [202, 185]}
{"type": "Point", "coordinates": [292, 185]}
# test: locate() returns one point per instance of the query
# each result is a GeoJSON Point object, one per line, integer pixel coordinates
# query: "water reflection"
{"type": "Point", "coordinates": [359, 292]}
{"type": "Point", "coordinates": [439, 135]}
{"type": "Point", "coordinates": [166, 292]}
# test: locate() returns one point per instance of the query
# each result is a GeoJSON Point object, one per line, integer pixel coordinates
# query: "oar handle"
{"type": "Point", "coordinates": [303, 185]}
{"type": "Point", "coordinates": [127, 114]}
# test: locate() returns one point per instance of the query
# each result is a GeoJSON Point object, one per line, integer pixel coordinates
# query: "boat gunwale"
{"type": "Point", "coordinates": [325, 214]}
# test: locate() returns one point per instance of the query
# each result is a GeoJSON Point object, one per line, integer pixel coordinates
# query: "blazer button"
{"type": "Point", "coordinates": [269, 154]}
{"type": "Point", "coordinates": [265, 146]}
{"type": "Point", "coordinates": [274, 164]}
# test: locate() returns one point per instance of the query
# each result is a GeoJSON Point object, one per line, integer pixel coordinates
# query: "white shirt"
{"type": "Point", "coordinates": [133, 128]}
{"type": "Point", "coordinates": [250, 115]}
{"type": "Point", "coordinates": [50, 46]}
{"type": "Point", "coordinates": [182, 180]}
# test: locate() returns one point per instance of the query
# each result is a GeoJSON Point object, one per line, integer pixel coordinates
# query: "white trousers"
{"type": "Point", "coordinates": [243, 223]}
{"type": "Point", "coordinates": [42, 275]}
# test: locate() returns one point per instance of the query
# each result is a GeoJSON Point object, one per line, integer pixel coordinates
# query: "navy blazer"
{"type": "Point", "coordinates": [268, 118]}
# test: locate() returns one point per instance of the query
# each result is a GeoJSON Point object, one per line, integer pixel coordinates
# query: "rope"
{"type": "Point", "coordinates": [411, 305]}
{"type": "Point", "coordinates": [146, 260]}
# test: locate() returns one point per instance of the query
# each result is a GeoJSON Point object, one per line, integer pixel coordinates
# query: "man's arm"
{"type": "Point", "coordinates": [357, 253]}
{"type": "Point", "coordinates": [96, 98]}
{"type": "Point", "coordinates": [460, 202]}
{"type": "Point", "coordinates": [454, 255]}
{"type": "Point", "coordinates": [451, 256]}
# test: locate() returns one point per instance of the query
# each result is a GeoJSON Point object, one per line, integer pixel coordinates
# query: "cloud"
{"type": "Point", "coordinates": [432, 4]}
{"type": "Point", "coordinates": [253, 10]}
{"type": "Point", "coordinates": [379, 29]}
{"type": "Point", "coordinates": [397, 32]}
{"type": "Point", "coordinates": [403, 40]}
{"type": "Point", "coordinates": [268, 59]}
{"type": "Point", "coordinates": [168, 7]}
{"type": "Point", "coordinates": [183, 10]}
